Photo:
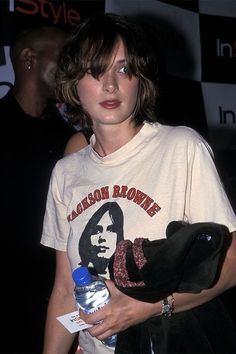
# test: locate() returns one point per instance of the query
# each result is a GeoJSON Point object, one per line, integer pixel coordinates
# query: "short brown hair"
{"type": "Point", "coordinates": [91, 45]}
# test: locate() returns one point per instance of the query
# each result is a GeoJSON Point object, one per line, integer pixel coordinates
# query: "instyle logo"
{"type": "Point", "coordinates": [57, 11]}
{"type": "Point", "coordinates": [224, 49]}
{"type": "Point", "coordinates": [227, 117]}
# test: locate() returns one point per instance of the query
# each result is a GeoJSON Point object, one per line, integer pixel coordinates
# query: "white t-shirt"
{"type": "Point", "coordinates": [163, 174]}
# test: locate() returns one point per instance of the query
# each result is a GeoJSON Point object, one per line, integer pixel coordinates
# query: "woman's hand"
{"type": "Point", "coordinates": [120, 313]}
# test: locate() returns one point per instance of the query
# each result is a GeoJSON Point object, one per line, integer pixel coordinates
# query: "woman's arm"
{"type": "Point", "coordinates": [226, 280]}
{"type": "Point", "coordinates": [76, 142]}
{"type": "Point", "coordinates": [124, 311]}
{"type": "Point", "coordinates": [58, 339]}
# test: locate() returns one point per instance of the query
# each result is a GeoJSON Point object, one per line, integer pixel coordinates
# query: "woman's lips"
{"type": "Point", "coordinates": [111, 104]}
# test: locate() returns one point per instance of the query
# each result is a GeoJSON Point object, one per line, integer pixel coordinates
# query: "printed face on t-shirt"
{"type": "Point", "coordinates": [100, 237]}
{"type": "Point", "coordinates": [104, 236]}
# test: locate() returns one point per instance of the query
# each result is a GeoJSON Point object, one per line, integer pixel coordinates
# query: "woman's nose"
{"type": "Point", "coordinates": [110, 84]}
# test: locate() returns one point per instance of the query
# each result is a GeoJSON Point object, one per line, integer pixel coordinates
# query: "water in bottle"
{"type": "Point", "coordinates": [91, 293]}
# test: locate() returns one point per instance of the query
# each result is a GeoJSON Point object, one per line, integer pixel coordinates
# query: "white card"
{"type": "Point", "coordinates": [73, 322]}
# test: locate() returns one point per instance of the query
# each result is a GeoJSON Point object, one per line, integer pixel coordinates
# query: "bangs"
{"type": "Point", "coordinates": [96, 52]}
{"type": "Point", "coordinates": [92, 48]}
{"type": "Point", "coordinates": [97, 55]}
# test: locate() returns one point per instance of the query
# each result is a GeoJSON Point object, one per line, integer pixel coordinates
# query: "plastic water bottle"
{"type": "Point", "coordinates": [91, 293]}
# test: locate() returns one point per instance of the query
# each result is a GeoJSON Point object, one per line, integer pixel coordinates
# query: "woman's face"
{"type": "Point", "coordinates": [104, 238]}
{"type": "Point", "coordinates": [111, 99]}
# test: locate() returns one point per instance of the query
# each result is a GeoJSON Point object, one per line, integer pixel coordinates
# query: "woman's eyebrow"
{"type": "Point", "coordinates": [121, 61]}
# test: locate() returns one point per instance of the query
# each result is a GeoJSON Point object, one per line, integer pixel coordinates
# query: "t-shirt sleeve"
{"type": "Point", "coordinates": [206, 196]}
{"type": "Point", "coordinates": [56, 228]}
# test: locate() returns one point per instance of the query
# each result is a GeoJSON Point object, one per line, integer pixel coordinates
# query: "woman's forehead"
{"type": "Point", "coordinates": [118, 53]}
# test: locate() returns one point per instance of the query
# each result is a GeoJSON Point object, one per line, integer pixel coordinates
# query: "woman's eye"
{"type": "Point", "coordinates": [124, 70]}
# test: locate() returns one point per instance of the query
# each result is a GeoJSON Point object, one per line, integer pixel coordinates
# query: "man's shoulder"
{"type": "Point", "coordinates": [9, 109]}
{"type": "Point", "coordinates": [55, 118]}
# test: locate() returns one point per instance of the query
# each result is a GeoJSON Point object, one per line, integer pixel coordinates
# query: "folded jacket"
{"type": "Point", "coordinates": [187, 260]}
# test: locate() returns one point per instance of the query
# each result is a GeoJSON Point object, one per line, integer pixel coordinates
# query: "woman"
{"type": "Point", "coordinates": [155, 173]}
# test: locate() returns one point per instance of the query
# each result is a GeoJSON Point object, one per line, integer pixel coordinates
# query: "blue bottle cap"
{"type": "Point", "coordinates": [82, 276]}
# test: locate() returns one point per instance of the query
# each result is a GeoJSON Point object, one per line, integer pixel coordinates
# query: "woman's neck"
{"type": "Point", "coordinates": [113, 138]}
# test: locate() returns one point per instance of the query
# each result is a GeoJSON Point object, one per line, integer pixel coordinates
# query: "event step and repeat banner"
{"type": "Point", "coordinates": [198, 41]}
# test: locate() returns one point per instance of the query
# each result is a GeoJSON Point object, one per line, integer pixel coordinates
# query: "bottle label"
{"type": "Point", "coordinates": [94, 309]}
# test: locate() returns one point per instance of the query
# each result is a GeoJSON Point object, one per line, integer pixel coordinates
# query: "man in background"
{"type": "Point", "coordinates": [33, 137]}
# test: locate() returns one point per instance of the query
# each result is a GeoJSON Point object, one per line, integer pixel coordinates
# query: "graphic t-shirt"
{"type": "Point", "coordinates": [163, 174]}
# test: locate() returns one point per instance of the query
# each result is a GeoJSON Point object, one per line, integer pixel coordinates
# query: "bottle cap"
{"type": "Point", "coordinates": [82, 276]}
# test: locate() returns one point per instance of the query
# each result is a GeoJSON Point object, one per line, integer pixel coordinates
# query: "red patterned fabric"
{"type": "Point", "coordinates": [120, 271]}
